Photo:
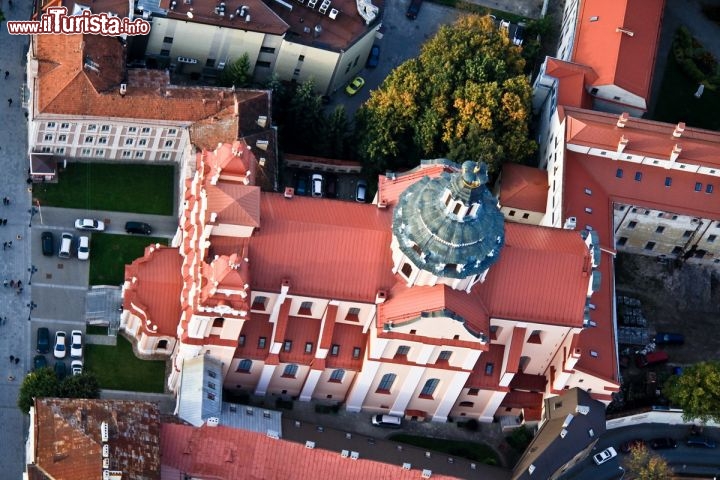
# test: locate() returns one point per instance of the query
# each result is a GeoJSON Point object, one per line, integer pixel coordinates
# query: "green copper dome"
{"type": "Point", "coordinates": [454, 237]}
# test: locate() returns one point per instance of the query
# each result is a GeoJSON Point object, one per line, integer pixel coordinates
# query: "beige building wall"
{"type": "Point", "coordinates": [146, 345]}
{"type": "Point", "coordinates": [280, 384]}
{"type": "Point", "coordinates": [518, 215]}
{"type": "Point", "coordinates": [331, 390]}
{"type": "Point", "coordinates": [243, 381]}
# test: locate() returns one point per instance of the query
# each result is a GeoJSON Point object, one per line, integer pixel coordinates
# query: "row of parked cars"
{"type": "Point", "coordinates": [661, 443]}
{"type": "Point", "coordinates": [62, 347]}
{"type": "Point", "coordinates": [67, 240]}
{"type": "Point", "coordinates": [321, 186]}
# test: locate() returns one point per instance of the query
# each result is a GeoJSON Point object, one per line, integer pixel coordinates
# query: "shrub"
{"type": "Point", "coordinates": [520, 438]}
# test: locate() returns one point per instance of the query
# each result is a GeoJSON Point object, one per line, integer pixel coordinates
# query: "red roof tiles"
{"type": "Point", "coordinates": [253, 329]}
{"type": "Point", "coordinates": [347, 337]}
{"type": "Point", "coordinates": [523, 187]}
{"type": "Point", "coordinates": [479, 378]}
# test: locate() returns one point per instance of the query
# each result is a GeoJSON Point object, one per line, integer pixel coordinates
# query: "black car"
{"type": "Point", "coordinates": [39, 362]}
{"type": "Point", "coordinates": [138, 227]}
{"type": "Point", "coordinates": [43, 340]}
{"type": "Point", "coordinates": [663, 443]}
{"type": "Point", "coordinates": [374, 57]}
{"type": "Point", "coordinates": [60, 369]}
{"type": "Point", "coordinates": [48, 244]}
{"type": "Point", "coordinates": [413, 9]}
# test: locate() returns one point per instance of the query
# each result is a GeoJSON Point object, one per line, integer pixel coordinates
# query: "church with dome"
{"type": "Point", "coordinates": [427, 303]}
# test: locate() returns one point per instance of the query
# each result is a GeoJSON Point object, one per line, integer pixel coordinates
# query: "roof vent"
{"type": "Point", "coordinates": [289, 192]}
{"type": "Point", "coordinates": [262, 144]}
{"type": "Point", "coordinates": [380, 297]}
{"type": "Point", "coordinates": [679, 129]}
{"type": "Point", "coordinates": [187, 2]}
{"type": "Point", "coordinates": [310, 444]}
{"type": "Point", "coordinates": [570, 223]}
{"type": "Point", "coordinates": [106, 450]}
{"type": "Point", "coordinates": [213, 422]}
{"type": "Point", "coordinates": [354, 455]}
{"type": "Point", "coordinates": [531, 469]}
{"type": "Point", "coordinates": [123, 89]}
{"type": "Point", "coordinates": [623, 119]}
{"type": "Point", "coordinates": [582, 409]}
{"type": "Point", "coordinates": [333, 13]}
{"type": "Point", "coordinates": [317, 31]}
{"type": "Point", "coordinates": [563, 433]}
{"type": "Point", "coordinates": [567, 421]}
{"type": "Point", "coordinates": [262, 161]}
{"type": "Point", "coordinates": [261, 121]}
{"type": "Point", "coordinates": [426, 473]}
{"type": "Point", "coordinates": [675, 152]}
{"type": "Point", "coordinates": [627, 32]}
{"type": "Point", "coordinates": [407, 466]}
{"type": "Point", "coordinates": [104, 431]}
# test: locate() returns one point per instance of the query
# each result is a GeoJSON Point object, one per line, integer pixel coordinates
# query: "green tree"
{"type": "Point", "coordinates": [642, 464]}
{"type": "Point", "coordinates": [236, 73]}
{"type": "Point", "coordinates": [696, 391]}
{"type": "Point", "coordinates": [465, 97]}
{"type": "Point", "coordinates": [84, 385]}
{"type": "Point", "coordinates": [337, 134]}
{"type": "Point", "coordinates": [304, 120]}
{"type": "Point", "coordinates": [40, 383]}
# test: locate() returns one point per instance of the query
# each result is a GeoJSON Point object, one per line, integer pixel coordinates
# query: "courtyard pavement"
{"type": "Point", "coordinates": [14, 264]}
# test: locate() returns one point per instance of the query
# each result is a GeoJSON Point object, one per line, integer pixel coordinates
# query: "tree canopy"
{"type": "Point", "coordinates": [696, 391]}
{"type": "Point", "coordinates": [44, 383]}
{"type": "Point", "coordinates": [465, 98]}
{"type": "Point", "coordinates": [236, 73]}
{"type": "Point", "coordinates": [643, 464]}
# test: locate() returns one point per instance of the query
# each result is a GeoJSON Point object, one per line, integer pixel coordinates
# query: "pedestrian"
{"type": "Point", "coordinates": [5, 283]}
{"type": "Point", "coordinates": [19, 283]}
{"type": "Point", "coordinates": [7, 74]}
{"type": "Point", "coordinates": [12, 283]}
{"type": "Point", "coordinates": [4, 245]}
{"type": "Point", "coordinates": [9, 102]}
{"type": "Point", "coordinates": [4, 221]}
{"type": "Point", "coordinates": [17, 360]}
{"type": "Point", "coordinates": [10, 244]}
{"type": "Point", "coordinates": [12, 358]}
{"type": "Point", "coordinates": [19, 291]}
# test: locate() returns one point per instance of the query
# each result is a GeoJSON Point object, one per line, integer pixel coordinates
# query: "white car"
{"type": "Point", "coordinates": [60, 350]}
{"type": "Point", "coordinates": [76, 344]}
{"type": "Point", "coordinates": [89, 224]}
{"type": "Point", "coordinates": [604, 456]}
{"type": "Point", "coordinates": [76, 367]}
{"type": "Point", "coordinates": [317, 185]}
{"type": "Point", "coordinates": [83, 248]}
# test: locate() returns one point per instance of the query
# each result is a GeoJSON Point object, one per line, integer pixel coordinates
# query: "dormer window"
{"type": "Point", "coordinates": [456, 209]}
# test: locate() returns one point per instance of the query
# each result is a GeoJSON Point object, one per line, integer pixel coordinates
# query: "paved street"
{"type": "Point", "coordinates": [14, 334]}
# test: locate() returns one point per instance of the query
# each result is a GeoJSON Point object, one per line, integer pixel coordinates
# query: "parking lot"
{"type": "Point", "coordinates": [341, 186]}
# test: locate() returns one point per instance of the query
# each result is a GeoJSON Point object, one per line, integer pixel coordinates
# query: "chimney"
{"type": "Point", "coordinates": [623, 120]}
{"type": "Point", "coordinates": [380, 297]}
{"type": "Point", "coordinates": [262, 121]}
{"type": "Point", "coordinates": [674, 154]}
{"type": "Point", "coordinates": [123, 91]}
{"type": "Point", "coordinates": [621, 146]}
{"type": "Point", "coordinates": [289, 192]}
{"type": "Point", "coordinates": [679, 129]}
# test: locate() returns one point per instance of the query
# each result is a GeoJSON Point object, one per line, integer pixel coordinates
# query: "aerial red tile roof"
{"type": "Point", "coordinates": [326, 248]}
{"type": "Point", "coordinates": [517, 341]}
{"type": "Point", "coordinates": [572, 79]}
{"type": "Point", "coordinates": [258, 326]}
{"type": "Point", "coordinates": [525, 381]}
{"type": "Point", "coordinates": [392, 185]}
{"type": "Point", "coordinates": [519, 399]}
{"type": "Point", "coordinates": [300, 331]}
{"type": "Point", "coordinates": [479, 378]}
{"type": "Point", "coordinates": [69, 445]}
{"type": "Point", "coordinates": [235, 204]}
{"type": "Point", "coordinates": [235, 454]}
{"type": "Point", "coordinates": [152, 290]}
{"type": "Point", "coordinates": [347, 337]}
{"type": "Point", "coordinates": [558, 257]}
{"type": "Point", "coordinates": [81, 75]}
{"type": "Point", "coordinates": [523, 187]}
{"type": "Point", "coordinates": [619, 41]}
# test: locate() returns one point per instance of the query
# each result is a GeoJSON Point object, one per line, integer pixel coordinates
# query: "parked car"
{"type": "Point", "coordinates": [413, 9]}
{"type": "Point", "coordinates": [361, 191]}
{"type": "Point", "coordinates": [89, 224]}
{"type": "Point", "coordinates": [43, 340]}
{"type": "Point", "coordinates": [76, 344]}
{"type": "Point", "coordinates": [317, 185]}
{"type": "Point", "coordinates": [60, 349]}
{"type": "Point", "coordinates": [60, 369]}
{"type": "Point", "coordinates": [374, 57]}
{"type": "Point", "coordinates": [702, 442]}
{"type": "Point", "coordinates": [355, 86]}
{"type": "Point", "coordinates": [39, 362]}
{"type": "Point", "coordinates": [625, 447]}
{"type": "Point", "coordinates": [665, 338]}
{"type": "Point", "coordinates": [76, 367]}
{"type": "Point", "coordinates": [301, 185]}
{"type": "Point", "coordinates": [604, 456]}
{"type": "Point", "coordinates": [519, 35]}
{"type": "Point", "coordinates": [663, 443]}
{"type": "Point", "coordinates": [48, 244]}
{"type": "Point", "coordinates": [66, 240]}
{"type": "Point", "coordinates": [330, 186]}
{"type": "Point", "coordinates": [387, 421]}
{"type": "Point", "coordinates": [652, 358]}
{"type": "Point", "coordinates": [138, 227]}
{"type": "Point", "coordinates": [84, 248]}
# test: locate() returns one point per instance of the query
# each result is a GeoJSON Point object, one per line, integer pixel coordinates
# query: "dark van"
{"type": "Point", "coordinates": [43, 340]}
{"type": "Point", "coordinates": [138, 227]}
{"type": "Point", "coordinates": [413, 9]}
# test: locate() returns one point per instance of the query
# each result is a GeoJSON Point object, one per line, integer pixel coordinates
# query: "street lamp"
{"type": "Point", "coordinates": [32, 306]}
{"type": "Point", "coordinates": [623, 473]}
{"type": "Point", "coordinates": [32, 270]}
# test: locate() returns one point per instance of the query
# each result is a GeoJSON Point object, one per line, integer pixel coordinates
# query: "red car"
{"type": "Point", "coordinates": [652, 358]}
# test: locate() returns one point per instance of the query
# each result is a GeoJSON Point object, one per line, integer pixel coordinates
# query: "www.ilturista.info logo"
{"type": "Point", "coordinates": [55, 20]}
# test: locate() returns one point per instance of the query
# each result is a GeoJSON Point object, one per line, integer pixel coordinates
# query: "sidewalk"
{"type": "Point", "coordinates": [14, 262]}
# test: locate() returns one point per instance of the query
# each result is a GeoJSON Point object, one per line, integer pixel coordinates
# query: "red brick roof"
{"type": "Point", "coordinates": [68, 441]}
{"type": "Point", "coordinates": [390, 187]}
{"type": "Point", "coordinates": [230, 453]}
{"type": "Point", "coordinates": [479, 378]}
{"type": "Point", "coordinates": [523, 187]}
{"type": "Point", "coordinates": [257, 326]}
{"type": "Point", "coordinates": [347, 337]}
{"type": "Point", "coordinates": [572, 79]}
{"type": "Point", "coordinates": [619, 58]}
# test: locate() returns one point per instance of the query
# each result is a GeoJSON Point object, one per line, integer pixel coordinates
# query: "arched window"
{"type": "Point", "coordinates": [337, 375]}
{"type": "Point", "coordinates": [429, 388]}
{"type": "Point", "coordinates": [162, 344]}
{"type": "Point", "coordinates": [386, 383]}
{"type": "Point", "coordinates": [290, 371]}
{"type": "Point", "coordinates": [244, 366]}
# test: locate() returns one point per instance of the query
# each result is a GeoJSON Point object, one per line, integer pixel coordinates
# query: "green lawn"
{"type": "Point", "coordinates": [116, 187]}
{"type": "Point", "coordinates": [117, 368]}
{"type": "Point", "coordinates": [476, 451]}
{"type": "Point", "coordinates": [110, 253]}
{"type": "Point", "coordinates": [677, 103]}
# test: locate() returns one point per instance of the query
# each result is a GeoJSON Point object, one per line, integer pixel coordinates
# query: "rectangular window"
{"type": "Point", "coordinates": [660, 229]}
{"type": "Point", "coordinates": [301, 58]}
{"type": "Point", "coordinates": [296, 71]}
{"type": "Point", "coordinates": [287, 345]}
{"type": "Point", "coordinates": [259, 303]}
{"type": "Point", "coordinates": [267, 50]}
{"type": "Point", "coordinates": [60, 150]}
{"type": "Point", "coordinates": [668, 181]}
{"type": "Point", "coordinates": [132, 130]}
{"type": "Point", "coordinates": [126, 154]}
{"type": "Point", "coordinates": [632, 224]}
{"type": "Point", "coordinates": [64, 126]}
{"type": "Point", "coordinates": [687, 233]}
{"type": "Point", "coordinates": [352, 314]}
{"type": "Point", "coordinates": [649, 245]}
{"type": "Point", "coordinates": [51, 125]}
{"type": "Point", "coordinates": [402, 351]}
{"type": "Point", "coordinates": [99, 152]}
{"type": "Point", "coordinates": [444, 356]}
{"type": "Point", "coordinates": [105, 128]}
{"type": "Point", "coordinates": [62, 138]}
{"type": "Point", "coordinates": [172, 131]}
{"type": "Point", "coordinates": [526, 216]}
{"type": "Point", "coordinates": [711, 238]}
{"type": "Point", "coordinates": [535, 337]}
{"type": "Point", "coordinates": [102, 140]}
{"type": "Point", "coordinates": [164, 52]}
{"type": "Point", "coordinates": [334, 350]}
{"type": "Point", "coordinates": [308, 347]}
{"type": "Point", "coordinates": [619, 173]}
{"type": "Point", "coordinates": [86, 152]}
{"type": "Point", "coordinates": [164, 156]}
{"type": "Point", "coordinates": [142, 142]}
{"type": "Point", "coordinates": [168, 143]}
{"type": "Point", "coordinates": [698, 187]}
{"type": "Point", "coordinates": [638, 176]}
{"type": "Point", "coordinates": [129, 141]}
{"type": "Point", "coordinates": [146, 130]}
{"type": "Point", "coordinates": [139, 154]}
{"type": "Point", "coordinates": [290, 371]}
{"type": "Point", "coordinates": [89, 139]}
{"type": "Point", "coordinates": [167, 39]}
{"type": "Point", "coordinates": [356, 353]}
{"type": "Point", "coordinates": [261, 342]}
{"type": "Point", "coordinates": [241, 341]}
{"type": "Point", "coordinates": [473, 391]}
{"type": "Point", "coordinates": [489, 368]}
{"type": "Point", "coordinates": [708, 188]}
{"type": "Point", "coordinates": [622, 241]}
{"type": "Point", "coordinates": [92, 128]}
{"type": "Point", "coordinates": [305, 308]}
{"type": "Point", "coordinates": [48, 137]}
{"type": "Point", "coordinates": [512, 213]}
